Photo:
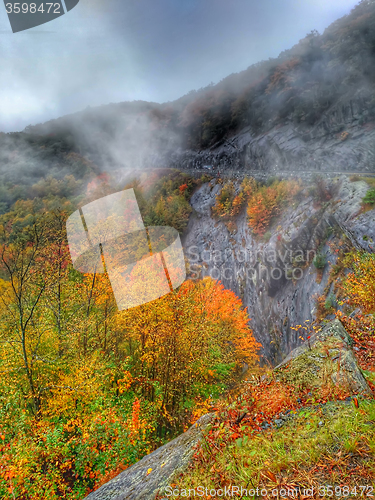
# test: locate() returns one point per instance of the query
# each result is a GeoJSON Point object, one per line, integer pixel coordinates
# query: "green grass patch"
{"type": "Point", "coordinates": [369, 375]}
{"type": "Point", "coordinates": [370, 197]}
{"type": "Point", "coordinates": [336, 436]}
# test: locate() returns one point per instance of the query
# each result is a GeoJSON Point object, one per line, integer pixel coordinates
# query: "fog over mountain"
{"type": "Point", "coordinates": [310, 109]}
{"type": "Point", "coordinates": [116, 51]}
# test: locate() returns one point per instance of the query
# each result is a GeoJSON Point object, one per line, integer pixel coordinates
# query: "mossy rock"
{"type": "Point", "coordinates": [326, 358]}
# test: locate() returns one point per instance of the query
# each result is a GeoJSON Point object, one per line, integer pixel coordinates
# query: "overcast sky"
{"type": "Point", "coordinates": [106, 51]}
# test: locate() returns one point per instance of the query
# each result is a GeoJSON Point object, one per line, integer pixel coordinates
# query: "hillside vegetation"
{"type": "Point", "coordinates": [292, 432]}
{"type": "Point", "coordinates": [86, 390]}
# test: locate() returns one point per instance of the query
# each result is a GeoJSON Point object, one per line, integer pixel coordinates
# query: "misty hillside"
{"type": "Point", "coordinates": [298, 86]}
{"type": "Point", "coordinates": [312, 108]}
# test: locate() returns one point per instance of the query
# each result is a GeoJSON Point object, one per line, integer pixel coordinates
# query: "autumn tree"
{"type": "Point", "coordinates": [22, 243]}
{"type": "Point", "coordinates": [267, 202]}
{"type": "Point", "coordinates": [186, 341]}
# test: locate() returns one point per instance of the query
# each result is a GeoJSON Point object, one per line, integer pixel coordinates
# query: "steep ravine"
{"type": "Point", "coordinates": [262, 273]}
{"type": "Point", "coordinates": [257, 271]}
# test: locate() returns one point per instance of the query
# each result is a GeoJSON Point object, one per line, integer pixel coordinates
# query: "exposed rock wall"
{"type": "Point", "coordinates": [277, 288]}
{"type": "Point", "coordinates": [340, 142]}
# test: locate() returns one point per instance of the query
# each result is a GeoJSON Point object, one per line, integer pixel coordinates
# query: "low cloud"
{"type": "Point", "coordinates": [104, 52]}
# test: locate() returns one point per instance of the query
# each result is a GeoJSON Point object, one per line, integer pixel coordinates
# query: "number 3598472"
{"type": "Point", "coordinates": [24, 8]}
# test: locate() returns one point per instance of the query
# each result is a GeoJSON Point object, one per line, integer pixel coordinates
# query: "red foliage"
{"type": "Point", "coordinates": [98, 182]}
{"type": "Point", "coordinates": [362, 330]}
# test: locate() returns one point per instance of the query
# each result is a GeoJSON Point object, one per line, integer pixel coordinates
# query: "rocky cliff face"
{"type": "Point", "coordinates": [277, 280]}
{"type": "Point", "coordinates": [339, 142]}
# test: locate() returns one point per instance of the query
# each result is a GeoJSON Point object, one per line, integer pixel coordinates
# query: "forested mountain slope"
{"type": "Point", "coordinates": [312, 108]}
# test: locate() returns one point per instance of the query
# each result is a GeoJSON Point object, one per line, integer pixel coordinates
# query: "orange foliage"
{"type": "Point", "coordinates": [281, 77]}
{"type": "Point", "coordinates": [192, 336]}
{"type": "Point", "coordinates": [362, 330]}
{"type": "Point", "coordinates": [135, 424]}
{"type": "Point", "coordinates": [228, 203]}
{"type": "Point", "coordinates": [267, 203]}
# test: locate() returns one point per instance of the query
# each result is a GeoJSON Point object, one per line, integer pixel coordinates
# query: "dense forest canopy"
{"type": "Point", "coordinates": [85, 389]}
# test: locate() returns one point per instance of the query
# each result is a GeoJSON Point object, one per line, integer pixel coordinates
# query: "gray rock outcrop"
{"type": "Point", "coordinates": [339, 142]}
{"type": "Point", "coordinates": [326, 358]}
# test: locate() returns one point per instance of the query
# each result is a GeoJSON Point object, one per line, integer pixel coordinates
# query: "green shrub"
{"type": "Point", "coordinates": [370, 197]}
{"type": "Point", "coordinates": [330, 301]}
{"type": "Point", "coordinates": [320, 261]}
{"type": "Point", "coordinates": [267, 236]}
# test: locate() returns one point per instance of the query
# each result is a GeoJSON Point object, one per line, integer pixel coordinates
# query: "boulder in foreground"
{"type": "Point", "coordinates": [326, 359]}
